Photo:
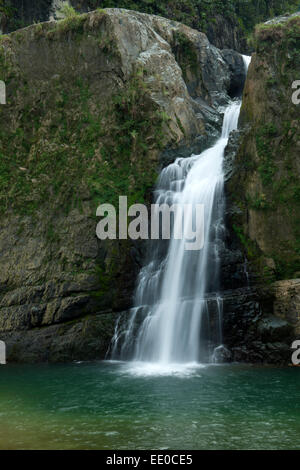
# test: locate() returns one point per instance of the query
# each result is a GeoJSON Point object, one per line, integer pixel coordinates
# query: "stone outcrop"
{"type": "Point", "coordinates": [265, 178]}
{"type": "Point", "coordinates": [262, 181]}
{"type": "Point", "coordinates": [86, 339]}
{"type": "Point", "coordinates": [96, 104]}
{"type": "Point", "coordinates": [287, 302]}
{"type": "Point", "coordinates": [252, 331]}
{"type": "Point", "coordinates": [227, 33]}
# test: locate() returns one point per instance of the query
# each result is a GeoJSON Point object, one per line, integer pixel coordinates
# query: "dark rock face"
{"type": "Point", "coordinates": [225, 34]}
{"type": "Point", "coordinates": [250, 333]}
{"type": "Point", "coordinates": [230, 154]}
{"type": "Point", "coordinates": [235, 269]}
{"type": "Point", "coordinates": [237, 72]}
{"type": "Point", "coordinates": [23, 13]}
{"type": "Point", "coordinates": [80, 340]}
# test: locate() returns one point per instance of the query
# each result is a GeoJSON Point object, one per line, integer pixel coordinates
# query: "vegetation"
{"type": "Point", "coordinates": [264, 140]}
{"type": "Point", "coordinates": [285, 32]}
{"type": "Point", "coordinates": [198, 14]}
{"type": "Point", "coordinates": [84, 150]}
{"type": "Point", "coordinates": [15, 14]}
{"type": "Point", "coordinates": [67, 11]}
{"type": "Point", "coordinates": [185, 54]}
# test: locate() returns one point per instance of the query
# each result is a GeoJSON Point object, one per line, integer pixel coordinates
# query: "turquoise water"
{"type": "Point", "coordinates": [120, 406]}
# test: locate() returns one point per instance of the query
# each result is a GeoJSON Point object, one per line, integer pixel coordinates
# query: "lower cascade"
{"type": "Point", "coordinates": [170, 321]}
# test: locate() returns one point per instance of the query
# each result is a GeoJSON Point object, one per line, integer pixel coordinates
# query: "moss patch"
{"type": "Point", "coordinates": [69, 149]}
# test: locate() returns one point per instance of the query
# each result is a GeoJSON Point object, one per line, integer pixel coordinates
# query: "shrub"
{"type": "Point", "coordinates": [67, 11]}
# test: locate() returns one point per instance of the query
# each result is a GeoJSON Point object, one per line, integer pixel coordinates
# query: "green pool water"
{"type": "Point", "coordinates": [108, 405]}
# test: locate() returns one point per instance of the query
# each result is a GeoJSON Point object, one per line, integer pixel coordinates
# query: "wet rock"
{"type": "Point", "coordinates": [221, 355]}
{"type": "Point", "coordinates": [230, 154]}
{"type": "Point", "coordinates": [79, 340]}
{"type": "Point", "coordinates": [237, 72]}
{"type": "Point", "coordinates": [273, 329]}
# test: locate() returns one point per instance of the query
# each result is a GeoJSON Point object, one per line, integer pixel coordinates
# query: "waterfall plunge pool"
{"type": "Point", "coordinates": [118, 405]}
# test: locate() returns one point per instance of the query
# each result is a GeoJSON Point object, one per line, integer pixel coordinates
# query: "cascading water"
{"type": "Point", "coordinates": [247, 61]}
{"type": "Point", "coordinates": [171, 312]}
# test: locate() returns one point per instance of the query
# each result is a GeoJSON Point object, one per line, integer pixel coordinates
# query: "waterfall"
{"type": "Point", "coordinates": [170, 322]}
{"type": "Point", "coordinates": [246, 60]}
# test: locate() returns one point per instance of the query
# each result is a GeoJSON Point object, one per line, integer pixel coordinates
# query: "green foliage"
{"type": "Point", "coordinates": [73, 22]}
{"type": "Point", "coordinates": [253, 12]}
{"type": "Point", "coordinates": [6, 9]}
{"type": "Point", "coordinates": [260, 202]}
{"type": "Point", "coordinates": [86, 151]}
{"type": "Point", "coordinates": [249, 245]}
{"type": "Point", "coordinates": [271, 82]}
{"type": "Point", "coordinates": [137, 128]}
{"type": "Point", "coordinates": [185, 54]}
{"type": "Point", "coordinates": [199, 14]}
{"type": "Point", "coordinates": [106, 276]}
{"type": "Point", "coordinates": [51, 235]}
{"type": "Point", "coordinates": [268, 275]}
{"type": "Point", "coordinates": [267, 168]}
{"type": "Point", "coordinates": [287, 270]}
{"type": "Point", "coordinates": [67, 11]}
{"type": "Point", "coordinates": [15, 14]}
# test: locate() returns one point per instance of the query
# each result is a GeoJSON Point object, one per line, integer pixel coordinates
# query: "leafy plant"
{"type": "Point", "coordinates": [67, 11]}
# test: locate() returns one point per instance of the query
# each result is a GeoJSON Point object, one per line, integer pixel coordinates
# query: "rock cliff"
{"type": "Point", "coordinates": [96, 104]}
{"type": "Point", "coordinates": [263, 186]}
{"type": "Point", "coordinates": [267, 163]}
